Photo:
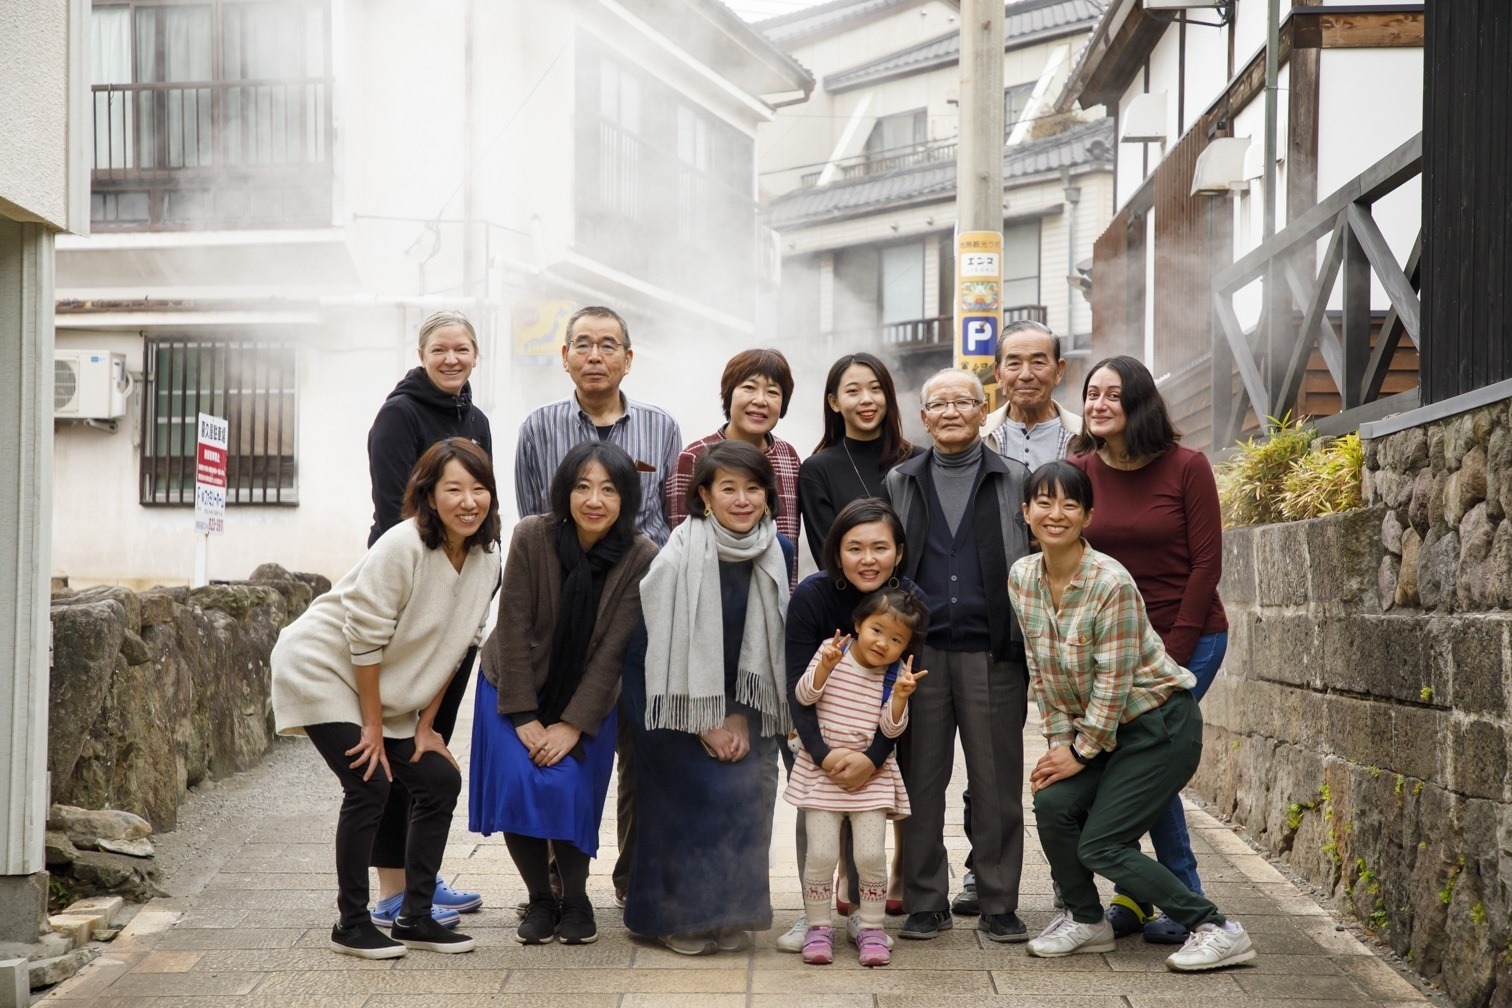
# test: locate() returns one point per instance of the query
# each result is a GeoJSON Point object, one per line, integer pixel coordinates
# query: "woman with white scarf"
{"type": "Point", "coordinates": [707, 707]}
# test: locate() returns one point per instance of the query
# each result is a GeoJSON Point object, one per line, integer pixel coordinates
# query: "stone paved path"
{"type": "Point", "coordinates": [252, 889]}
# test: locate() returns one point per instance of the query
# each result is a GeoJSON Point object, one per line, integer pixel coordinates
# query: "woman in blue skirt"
{"type": "Point", "coordinates": [544, 728]}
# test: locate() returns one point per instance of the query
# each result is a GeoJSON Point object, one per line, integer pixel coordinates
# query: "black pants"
{"type": "Point", "coordinates": [433, 784]}
{"type": "Point", "coordinates": [388, 842]}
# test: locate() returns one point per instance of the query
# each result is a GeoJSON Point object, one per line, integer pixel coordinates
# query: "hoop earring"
{"type": "Point", "coordinates": [766, 510]}
{"type": "Point", "coordinates": [892, 582]}
{"type": "Point", "coordinates": [840, 583]}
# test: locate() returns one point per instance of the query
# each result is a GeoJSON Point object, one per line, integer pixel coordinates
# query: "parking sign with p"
{"type": "Point", "coordinates": [978, 336]}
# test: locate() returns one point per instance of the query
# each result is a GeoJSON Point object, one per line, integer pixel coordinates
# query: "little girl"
{"type": "Point", "coordinates": [856, 688]}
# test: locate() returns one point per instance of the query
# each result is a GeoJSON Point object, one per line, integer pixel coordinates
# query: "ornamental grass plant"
{"type": "Point", "coordinates": [1289, 473]}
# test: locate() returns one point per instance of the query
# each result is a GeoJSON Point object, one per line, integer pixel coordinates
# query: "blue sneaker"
{"type": "Point", "coordinates": [452, 899]}
{"type": "Point", "coordinates": [384, 912]}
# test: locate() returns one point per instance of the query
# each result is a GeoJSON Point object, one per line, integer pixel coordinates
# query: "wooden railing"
{"type": "Point", "coordinates": [215, 142]}
{"type": "Point", "coordinates": [1272, 357]}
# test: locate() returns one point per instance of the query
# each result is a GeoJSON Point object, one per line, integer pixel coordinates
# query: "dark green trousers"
{"type": "Point", "coordinates": [1090, 824]}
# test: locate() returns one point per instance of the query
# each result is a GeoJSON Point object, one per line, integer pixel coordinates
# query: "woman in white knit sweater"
{"type": "Point", "coordinates": [363, 672]}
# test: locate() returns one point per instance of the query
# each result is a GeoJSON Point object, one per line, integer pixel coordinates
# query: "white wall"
{"type": "Point", "coordinates": [41, 174]}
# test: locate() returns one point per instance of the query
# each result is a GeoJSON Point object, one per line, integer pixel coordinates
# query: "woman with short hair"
{"type": "Point", "coordinates": [545, 725]}
{"type": "Point", "coordinates": [707, 706]}
{"type": "Point", "coordinates": [755, 391]}
{"type": "Point", "coordinates": [1160, 519]}
{"type": "Point", "coordinates": [363, 673]}
{"type": "Point", "coordinates": [1123, 731]}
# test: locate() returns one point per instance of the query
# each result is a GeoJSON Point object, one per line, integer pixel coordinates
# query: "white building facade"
{"type": "Point", "coordinates": [283, 191]}
{"type": "Point", "coordinates": [861, 178]}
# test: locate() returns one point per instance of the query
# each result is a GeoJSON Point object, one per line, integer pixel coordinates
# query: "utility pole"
{"type": "Point", "coordinates": [979, 188]}
{"type": "Point", "coordinates": [1275, 301]}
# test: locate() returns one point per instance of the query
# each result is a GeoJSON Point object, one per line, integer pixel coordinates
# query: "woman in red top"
{"type": "Point", "coordinates": [1158, 515]}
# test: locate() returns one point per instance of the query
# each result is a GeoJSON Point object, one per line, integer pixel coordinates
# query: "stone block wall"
{"type": "Point", "coordinates": [153, 692]}
{"type": "Point", "coordinates": [1360, 727]}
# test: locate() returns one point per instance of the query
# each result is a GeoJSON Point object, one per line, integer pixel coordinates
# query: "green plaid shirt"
{"type": "Point", "coordinates": [1097, 663]}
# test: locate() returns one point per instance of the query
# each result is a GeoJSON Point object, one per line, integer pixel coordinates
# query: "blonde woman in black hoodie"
{"type": "Point", "coordinates": [431, 402]}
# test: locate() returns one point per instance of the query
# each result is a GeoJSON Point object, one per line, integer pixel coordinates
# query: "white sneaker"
{"type": "Point", "coordinates": [1066, 936]}
{"type": "Point", "coordinates": [1209, 947]}
{"type": "Point", "coordinates": [853, 929]}
{"type": "Point", "coordinates": [792, 939]}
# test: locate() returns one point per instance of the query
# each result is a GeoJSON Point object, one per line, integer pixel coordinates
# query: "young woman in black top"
{"type": "Point", "coordinates": [863, 439]}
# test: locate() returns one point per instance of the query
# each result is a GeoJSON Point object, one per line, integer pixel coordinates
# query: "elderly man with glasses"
{"type": "Point", "coordinates": [1033, 428]}
{"type": "Point", "coordinates": [960, 505]}
{"type": "Point", "coordinates": [597, 354]}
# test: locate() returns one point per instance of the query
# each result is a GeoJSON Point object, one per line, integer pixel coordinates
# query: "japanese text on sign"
{"type": "Point", "coordinates": [210, 475]}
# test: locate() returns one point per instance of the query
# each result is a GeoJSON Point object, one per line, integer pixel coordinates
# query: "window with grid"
{"type": "Point", "coordinates": [249, 382]}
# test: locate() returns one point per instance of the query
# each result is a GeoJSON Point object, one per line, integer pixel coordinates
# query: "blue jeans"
{"type": "Point", "coordinates": [1173, 847]}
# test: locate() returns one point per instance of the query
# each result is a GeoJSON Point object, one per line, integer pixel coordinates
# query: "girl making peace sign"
{"type": "Point", "coordinates": [856, 687]}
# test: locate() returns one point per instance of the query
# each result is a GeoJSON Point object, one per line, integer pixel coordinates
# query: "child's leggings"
{"type": "Point", "coordinates": [870, 832]}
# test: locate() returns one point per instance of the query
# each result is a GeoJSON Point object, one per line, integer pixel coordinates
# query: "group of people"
{"type": "Point", "coordinates": [650, 616]}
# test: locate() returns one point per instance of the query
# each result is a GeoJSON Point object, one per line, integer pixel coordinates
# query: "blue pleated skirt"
{"type": "Point", "coordinates": [507, 793]}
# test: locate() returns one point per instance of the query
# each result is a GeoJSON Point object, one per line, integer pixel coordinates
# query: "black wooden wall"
{"type": "Point", "coordinates": [1467, 197]}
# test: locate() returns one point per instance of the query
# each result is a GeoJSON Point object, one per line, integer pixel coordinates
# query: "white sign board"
{"type": "Point", "coordinates": [210, 475]}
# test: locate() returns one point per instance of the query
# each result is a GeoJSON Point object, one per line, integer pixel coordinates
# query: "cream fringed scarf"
{"type": "Point", "coordinates": [681, 601]}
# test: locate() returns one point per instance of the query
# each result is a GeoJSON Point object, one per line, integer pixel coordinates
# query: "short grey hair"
{"type": "Point", "coordinates": [950, 372]}
{"type": "Point", "coordinates": [441, 320]}
{"type": "Point", "coordinates": [1026, 325]}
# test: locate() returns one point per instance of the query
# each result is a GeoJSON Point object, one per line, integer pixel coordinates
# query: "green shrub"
{"type": "Point", "coordinates": [1251, 481]}
{"type": "Point", "coordinates": [1325, 480]}
{"type": "Point", "coordinates": [1290, 474]}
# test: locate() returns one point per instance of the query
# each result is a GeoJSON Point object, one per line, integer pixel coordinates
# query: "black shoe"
{"type": "Point", "coordinates": [539, 925]}
{"type": "Point", "coordinates": [425, 933]}
{"type": "Point", "coordinates": [365, 941]}
{"type": "Point", "coordinates": [1003, 927]}
{"type": "Point", "coordinates": [575, 926]}
{"type": "Point", "coordinates": [926, 924]}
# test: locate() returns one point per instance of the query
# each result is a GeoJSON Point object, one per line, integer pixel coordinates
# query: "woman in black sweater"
{"type": "Point", "coordinates": [861, 555]}
{"type": "Point", "coordinates": [430, 403]}
{"type": "Point", "coordinates": [863, 439]}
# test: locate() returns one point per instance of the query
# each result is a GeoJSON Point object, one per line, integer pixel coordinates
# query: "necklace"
{"type": "Point", "coordinates": [864, 488]}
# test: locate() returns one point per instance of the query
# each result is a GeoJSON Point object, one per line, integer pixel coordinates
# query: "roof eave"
{"type": "Point", "coordinates": [1019, 42]}
{"type": "Point", "coordinates": [1122, 40]}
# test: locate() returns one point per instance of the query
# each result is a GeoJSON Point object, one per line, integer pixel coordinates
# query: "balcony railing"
{"type": "Point", "coordinates": [879, 162]}
{"type": "Point", "coordinates": [924, 333]}
{"type": "Point", "coordinates": [251, 153]}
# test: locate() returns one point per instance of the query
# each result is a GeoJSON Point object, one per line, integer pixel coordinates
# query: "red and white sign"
{"type": "Point", "coordinates": [210, 475]}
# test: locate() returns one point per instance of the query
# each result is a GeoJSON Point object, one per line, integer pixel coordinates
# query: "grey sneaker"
{"type": "Point", "coordinates": [925, 924]}
{"type": "Point", "coordinates": [1067, 936]}
{"type": "Point", "coordinates": [1210, 947]}
{"type": "Point", "coordinates": [791, 940]}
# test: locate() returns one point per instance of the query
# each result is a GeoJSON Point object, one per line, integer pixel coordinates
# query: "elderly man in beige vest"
{"type": "Point", "coordinates": [1030, 426]}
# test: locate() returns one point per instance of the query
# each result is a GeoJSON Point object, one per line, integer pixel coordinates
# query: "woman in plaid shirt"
{"type": "Point", "coordinates": [1124, 733]}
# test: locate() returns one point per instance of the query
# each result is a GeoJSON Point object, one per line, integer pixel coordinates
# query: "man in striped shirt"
{"type": "Point", "coordinates": [597, 355]}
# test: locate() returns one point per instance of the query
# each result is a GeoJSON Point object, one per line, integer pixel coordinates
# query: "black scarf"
{"type": "Point", "coordinates": [583, 576]}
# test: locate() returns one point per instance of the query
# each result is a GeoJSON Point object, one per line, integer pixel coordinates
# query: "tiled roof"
{"type": "Point", "coordinates": [787, 28]}
{"type": "Point", "coordinates": [1079, 145]}
{"type": "Point", "coordinates": [1022, 20]}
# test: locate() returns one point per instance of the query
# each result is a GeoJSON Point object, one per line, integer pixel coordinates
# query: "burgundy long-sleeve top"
{"type": "Point", "coordinates": [1163, 524]}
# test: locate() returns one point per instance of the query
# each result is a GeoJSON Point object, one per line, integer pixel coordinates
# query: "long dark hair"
{"type": "Point", "coordinates": [422, 484]}
{"type": "Point", "coordinates": [621, 470]}
{"type": "Point", "coordinates": [1148, 430]}
{"type": "Point", "coordinates": [895, 447]}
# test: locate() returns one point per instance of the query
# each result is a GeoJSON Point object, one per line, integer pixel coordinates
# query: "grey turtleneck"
{"type": "Point", "coordinates": [954, 477]}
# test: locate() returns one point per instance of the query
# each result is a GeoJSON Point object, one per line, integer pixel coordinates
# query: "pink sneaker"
{"type": "Point", "coordinates": [871, 944]}
{"type": "Point", "coordinates": [819, 946]}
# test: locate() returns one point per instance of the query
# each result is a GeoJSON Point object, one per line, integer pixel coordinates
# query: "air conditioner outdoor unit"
{"type": "Point", "coordinates": [89, 385]}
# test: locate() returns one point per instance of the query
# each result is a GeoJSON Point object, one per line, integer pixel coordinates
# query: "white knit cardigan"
{"type": "Point", "coordinates": [403, 607]}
